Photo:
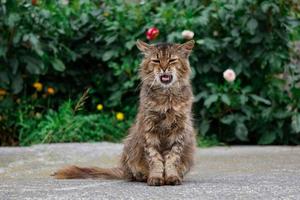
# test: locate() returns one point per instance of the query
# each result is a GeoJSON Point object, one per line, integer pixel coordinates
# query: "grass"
{"type": "Point", "coordinates": [208, 141]}
{"type": "Point", "coordinates": [67, 124]}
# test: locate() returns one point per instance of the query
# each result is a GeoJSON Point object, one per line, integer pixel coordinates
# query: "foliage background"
{"type": "Point", "coordinates": [72, 46]}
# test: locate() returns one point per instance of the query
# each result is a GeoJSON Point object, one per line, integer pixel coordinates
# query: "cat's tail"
{"type": "Point", "coordinates": [74, 172]}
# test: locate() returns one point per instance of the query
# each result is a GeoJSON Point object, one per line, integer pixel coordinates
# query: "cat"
{"type": "Point", "coordinates": [160, 146]}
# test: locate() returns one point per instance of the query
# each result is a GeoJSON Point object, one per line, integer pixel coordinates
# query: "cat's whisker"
{"type": "Point", "coordinates": [151, 86]}
{"type": "Point", "coordinates": [143, 80]}
{"type": "Point", "coordinates": [147, 77]}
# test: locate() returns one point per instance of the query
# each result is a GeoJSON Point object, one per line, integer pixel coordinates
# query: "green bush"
{"type": "Point", "coordinates": [87, 44]}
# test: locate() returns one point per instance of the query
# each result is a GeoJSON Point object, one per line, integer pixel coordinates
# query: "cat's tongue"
{"type": "Point", "coordinates": [165, 78]}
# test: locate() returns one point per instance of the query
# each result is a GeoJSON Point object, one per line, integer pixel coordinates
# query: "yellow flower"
{"type": "Point", "coordinates": [120, 116]}
{"type": "Point", "coordinates": [2, 92]}
{"type": "Point", "coordinates": [38, 86]}
{"type": "Point", "coordinates": [99, 107]}
{"type": "Point", "coordinates": [50, 90]}
{"type": "Point", "coordinates": [105, 14]}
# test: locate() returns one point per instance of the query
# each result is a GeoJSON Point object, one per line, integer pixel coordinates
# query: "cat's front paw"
{"type": "Point", "coordinates": [173, 180]}
{"type": "Point", "coordinates": [140, 177]}
{"type": "Point", "coordinates": [155, 181]}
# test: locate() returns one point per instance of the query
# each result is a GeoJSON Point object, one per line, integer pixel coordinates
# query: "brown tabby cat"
{"type": "Point", "coordinates": [160, 145]}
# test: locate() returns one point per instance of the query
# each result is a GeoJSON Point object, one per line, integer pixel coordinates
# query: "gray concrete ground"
{"type": "Point", "coordinates": [220, 173]}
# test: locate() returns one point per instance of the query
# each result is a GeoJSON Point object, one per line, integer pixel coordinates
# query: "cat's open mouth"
{"type": "Point", "coordinates": [166, 78]}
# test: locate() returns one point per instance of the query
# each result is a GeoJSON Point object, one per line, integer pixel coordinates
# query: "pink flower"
{"type": "Point", "coordinates": [229, 75]}
{"type": "Point", "coordinates": [64, 2]}
{"type": "Point", "coordinates": [187, 34]}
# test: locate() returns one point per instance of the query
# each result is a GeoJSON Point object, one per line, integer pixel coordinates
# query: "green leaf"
{"type": "Point", "coordinates": [255, 40]}
{"type": "Point", "coordinates": [267, 138]}
{"type": "Point", "coordinates": [129, 44]}
{"type": "Point", "coordinates": [4, 78]}
{"type": "Point", "coordinates": [108, 55]}
{"type": "Point", "coordinates": [14, 63]}
{"type": "Point", "coordinates": [260, 99]}
{"type": "Point", "coordinates": [243, 99]}
{"type": "Point", "coordinates": [225, 99]}
{"type": "Point", "coordinates": [201, 41]}
{"type": "Point", "coordinates": [204, 127]}
{"type": "Point", "coordinates": [266, 6]}
{"type": "Point", "coordinates": [211, 99]}
{"type": "Point", "coordinates": [200, 96]}
{"type": "Point", "coordinates": [7, 102]}
{"type": "Point", "coordinates": [110, 39]}
{"type": "Point", "coordinates": [3, 50]}
{"type": "Point", "coordinates": [211, 44]}
{"type": "Point", "coordinates": [282, 114]}
{"type": "Point", "coordinates": [252, 25]}
{"type": "Point", "coordinates": [228, 119]}
{"type": "Point", "coordinates": [35, 44]}
{"type": "Point", "coordinates": [17, 84]}
{"type": "Point", "coordinates": [58, 65]}
{"type": "Point", "coordinates": [234, 55]}
{"type": "Point", "coordinates": [296, 123]}
{"type": "Point", "coordinates": [203, 19]}
{"type": "Point", "coordinates": [34, 65]}
{"type": "Point", "coordinates": [84, 18]}
{"type": "Point", "coordinates": [241, 132]}
{"type": "Point", "coordinates": [13, 19]}
{"type": "Point", "coordinates": [235, 32]}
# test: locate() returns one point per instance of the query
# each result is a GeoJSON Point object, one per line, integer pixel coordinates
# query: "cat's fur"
{"type": "Point", "coordinates": [160, 146]}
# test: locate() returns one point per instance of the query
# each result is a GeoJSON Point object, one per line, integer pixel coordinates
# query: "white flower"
{"type": "Point", "coordinates": [187, 34]}
{"type": "Point", "coordinates": [64, 2]}
{"type": "Point", "coordinates": [229, 75]}
{"type": "Point", "coordinates": [215, 33]}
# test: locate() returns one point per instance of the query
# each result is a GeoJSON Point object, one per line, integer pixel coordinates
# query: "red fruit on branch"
{"type": "Point", "coordinates": [152, 33]}
{"type": "Point", "coordinates": [34, 2]}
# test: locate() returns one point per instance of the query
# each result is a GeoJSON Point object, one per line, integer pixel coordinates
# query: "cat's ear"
{"type": "Point", "coordinates": [186, 48]}
{"type": "Point", "coordinates": [143, 46]}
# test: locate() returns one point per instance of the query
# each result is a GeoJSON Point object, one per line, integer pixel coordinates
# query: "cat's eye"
{"type": "Point", "coordinates": [172, 60]}
{"type": "Point", "coordinates": [156, 61]}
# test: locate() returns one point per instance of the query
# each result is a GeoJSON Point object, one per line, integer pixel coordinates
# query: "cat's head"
{"type": "Point", "coordinates": [166, 63]}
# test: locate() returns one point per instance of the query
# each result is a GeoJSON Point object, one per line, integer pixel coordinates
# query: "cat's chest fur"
{"type": "Point", "coordinates": [166, 112]}
{"type": "Point", "coordinates": [167, 101]}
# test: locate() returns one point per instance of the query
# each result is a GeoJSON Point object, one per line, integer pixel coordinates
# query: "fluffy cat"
{"type": "Point", "coordinates": [160, 146]}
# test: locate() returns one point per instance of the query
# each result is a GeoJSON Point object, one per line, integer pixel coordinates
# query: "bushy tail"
{"type": "Point", "coordinates": [74, 172]}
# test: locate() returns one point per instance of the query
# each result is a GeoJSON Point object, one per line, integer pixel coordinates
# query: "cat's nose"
{"type": "Point", "coordinates": [164, 68]}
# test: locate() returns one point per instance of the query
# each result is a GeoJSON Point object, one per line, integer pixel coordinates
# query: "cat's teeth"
{"type": "Point", "coordinates": [166, 78]}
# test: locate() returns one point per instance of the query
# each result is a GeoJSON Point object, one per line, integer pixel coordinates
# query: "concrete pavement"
{"type": "Point", "coordinates": [240, 172]}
